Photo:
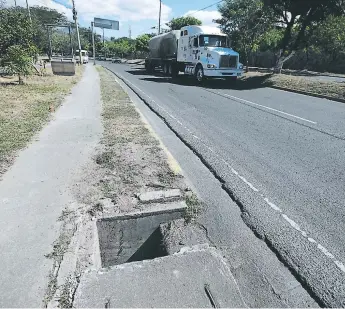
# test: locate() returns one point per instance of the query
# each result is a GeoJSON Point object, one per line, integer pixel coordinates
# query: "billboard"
{"type": "Point", "coordinates": [106, 23]}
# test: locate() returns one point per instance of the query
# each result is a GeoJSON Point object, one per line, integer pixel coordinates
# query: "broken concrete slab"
{"type": "Point", "coordinates": [196, 277]}
{"type": "Point", "coordinates": [160, 196]}
{"type": "Point", "coordinates": [136, 236]}
{"type": "Point", "coordinates": [178, 234]}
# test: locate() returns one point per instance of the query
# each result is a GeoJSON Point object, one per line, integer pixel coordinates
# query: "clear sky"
{"type": "Point", "coordinates": [140, 15]}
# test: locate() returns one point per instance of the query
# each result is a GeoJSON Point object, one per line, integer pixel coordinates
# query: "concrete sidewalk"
{"type": "Point", "coordinates": [196, 277]}
{"type": "Point", "coordinates": [36, 189]}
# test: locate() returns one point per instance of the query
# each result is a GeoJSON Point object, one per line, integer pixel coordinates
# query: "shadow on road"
{"type": "Point", "coordinates": [247, 83]}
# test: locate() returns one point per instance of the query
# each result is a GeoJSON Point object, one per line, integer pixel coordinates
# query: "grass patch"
{"type": "Point", "coordinates": [24, 109]}
{"type": "Point", "coordinates": [131, 157]}
{"type": "Point", "coordinates": [300, 83]}
{"type": "Point", "coordinates": [194, 207]}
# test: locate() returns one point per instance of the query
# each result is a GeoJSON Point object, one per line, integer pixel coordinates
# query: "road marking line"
{"type": "Point", "coordinates": [292, 223]}
{"type": "Point", "coordinates": [340, 265]}
{"type": "Point", "coordinates": [269, 108]}
{"type": "Point", "coordinates": [325, 251]}
{"type": "Point", "coordinates": [274, 206]}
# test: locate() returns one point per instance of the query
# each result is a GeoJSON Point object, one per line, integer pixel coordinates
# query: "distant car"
{"type": "Point", "coordinates": [116, 60]}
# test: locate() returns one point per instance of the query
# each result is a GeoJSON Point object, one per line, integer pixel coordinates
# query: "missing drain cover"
{"type": "Point", "coordinates": [136, 236]}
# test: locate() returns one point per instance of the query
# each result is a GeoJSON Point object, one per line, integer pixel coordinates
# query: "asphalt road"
{"type": "Point", "coordinates": [279, 155]}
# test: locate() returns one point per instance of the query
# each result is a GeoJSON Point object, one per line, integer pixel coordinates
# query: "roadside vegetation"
{"type": "Point", "coordinates": [293, 34]}
{"type": "Point", "coordinates": [132, 158]}
{"type": "Point", "coordinates": [330, 89]}
{"type": "Point", "coordinates": [24, 109]}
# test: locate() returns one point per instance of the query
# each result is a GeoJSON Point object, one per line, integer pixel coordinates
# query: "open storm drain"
{"type": "Point", "coordinates": [136, 237]}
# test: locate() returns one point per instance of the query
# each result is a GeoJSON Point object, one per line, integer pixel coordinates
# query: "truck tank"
{"type": "Point", "coordinates": [164, 45]}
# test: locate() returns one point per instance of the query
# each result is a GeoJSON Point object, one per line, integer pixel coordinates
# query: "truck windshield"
{"type": "Point", "coordinates": [212, 41]}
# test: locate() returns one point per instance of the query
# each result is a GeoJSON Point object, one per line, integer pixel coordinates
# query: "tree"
{"type": "Point", "coordinates": [15, 29]}
{"type": "Point", "coordinates": [299, 16]}
{"type": "Point", "coordinates": [330, 36]}
{"type": "Point", "coordinates": [42, 16]}
{"type": "Point", "coordinates": [245, 21]}
{"type": "Point", "coordinates": [18, 60]}
{"type": "Point", "coordinates": [178, 23]}
{"type": "Point", "coordinates": [142, 42]}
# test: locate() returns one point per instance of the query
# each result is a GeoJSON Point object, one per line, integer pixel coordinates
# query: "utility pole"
{"type": "Point", "coordinates": [70, 40]}
{"type": "Point", "coordinates": [129, 32]}
{"type": "Point", "coordinates": [160, 13]}
{"type": "Point", "coordinates": [28, 8]}
{"type": "Point", "coordinates": [105, 52]}
{"type": "Point", "coordinates": [93, 43]}
{"type": "Point", "coordinates": [50, 44]}
{"type": "Point", "coordinates": [77, 28]}
{"type": "Point", "coordinates": [15, 3]}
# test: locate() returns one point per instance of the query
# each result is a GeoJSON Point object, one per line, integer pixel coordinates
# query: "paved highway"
{"type": "Point", "coordinates": [279, 155]}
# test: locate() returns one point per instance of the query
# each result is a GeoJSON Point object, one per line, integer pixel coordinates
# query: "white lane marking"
{"type": "Point", "coordinates": [274, 206]}
{"type": "Point", "coordinates": [269, 108]}
{"type": "Point", "coordinates": [340, 265]}
{"type": "Point", "coordinates": [327, 253]}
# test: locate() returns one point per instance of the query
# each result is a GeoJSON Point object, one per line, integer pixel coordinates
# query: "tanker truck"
{"type": "Point", "coordinates": [199, 51]}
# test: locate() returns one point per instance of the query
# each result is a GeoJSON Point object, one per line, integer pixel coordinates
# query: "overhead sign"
{"type": "Point", "coordinates": [106, 23]}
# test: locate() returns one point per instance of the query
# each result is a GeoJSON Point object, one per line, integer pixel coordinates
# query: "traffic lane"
{"type": "Point", "coordinates": [268, 163]}
{"type": "Point", "coordinates": [321, 114]}
{"type": "Point", "coordinates": [292, 241]}
{"type": "Point", "coordinates": [290, 160]}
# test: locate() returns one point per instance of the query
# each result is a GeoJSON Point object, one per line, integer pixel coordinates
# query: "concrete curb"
{"type": "Point", "coordinates": [309, 94]}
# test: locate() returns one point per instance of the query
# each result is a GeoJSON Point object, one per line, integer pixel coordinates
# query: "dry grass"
{"type": "Point", "coordinates": [132, 158]}
{"type": "Point", "coordinates": [257, 80]}
{"type": "Point", "coordinates": [24, 109]}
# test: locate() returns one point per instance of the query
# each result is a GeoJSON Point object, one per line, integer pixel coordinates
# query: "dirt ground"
{"type": "Point", "coordinates": [24, 109]}
{"type": "Point", "coordinates": [133, 159]}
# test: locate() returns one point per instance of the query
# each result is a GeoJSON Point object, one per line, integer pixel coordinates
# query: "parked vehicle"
{"type": "Point", "coordinates": [84, 56]}
{"type": "Point", "coordinates": [116, 60]}
{"type": "Point", "coordinates": [199, 51]}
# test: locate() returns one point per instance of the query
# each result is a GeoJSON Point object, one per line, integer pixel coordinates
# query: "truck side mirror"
{"type": "Point", "coordinates": [195, 42]}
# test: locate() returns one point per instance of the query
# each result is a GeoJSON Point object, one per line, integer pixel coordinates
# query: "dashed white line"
{"type": "Point", "coordinates": [325, 251]}
{"type": "Point", "coordinates": [274, 206]}
{"type": "Point", "coordinates": [269, 108]}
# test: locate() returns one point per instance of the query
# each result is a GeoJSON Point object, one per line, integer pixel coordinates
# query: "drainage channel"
{"type": "Point", "coordinates": [137, 236]}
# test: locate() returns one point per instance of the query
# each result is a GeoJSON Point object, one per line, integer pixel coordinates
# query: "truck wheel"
{"type": "Point", "coordinates": [170, 69]}
{"type": "Point", "coordinates": [165, 69]}
{"type": "Point", "coordinates": [199, 74]}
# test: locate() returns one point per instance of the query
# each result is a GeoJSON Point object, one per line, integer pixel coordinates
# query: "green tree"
{"type": "Point", "coordinates": [142, 42]}
{"type": "Point", "coordinates": [245, 21]}
{"type": "Point", "coordinates": [298, 18]}
{"type": "Point", "coordinates": [15, 29]}
{"type": "Point", "coordinates": [179, 22]}
{"type": "Point", "coordinates": [18, 60]}
{"type": "Point", "coordinates": [42, 16]}
{"type": "Point", "coordinates": [330, 36]}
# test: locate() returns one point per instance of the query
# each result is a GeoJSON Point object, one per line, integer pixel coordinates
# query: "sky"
{"type": "Point", "coordinates": [139, 15]}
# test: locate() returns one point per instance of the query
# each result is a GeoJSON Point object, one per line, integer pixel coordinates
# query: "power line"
{"type": "Point", "coordinates": [206, 7]}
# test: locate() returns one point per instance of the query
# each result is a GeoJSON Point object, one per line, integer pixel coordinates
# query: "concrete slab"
{"type": "Point", "coordinates": [175, 281]}
{"type": "Point", "coordinates": [136, 235]}
{"type": "Point", "coordinates": [160, 196]}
